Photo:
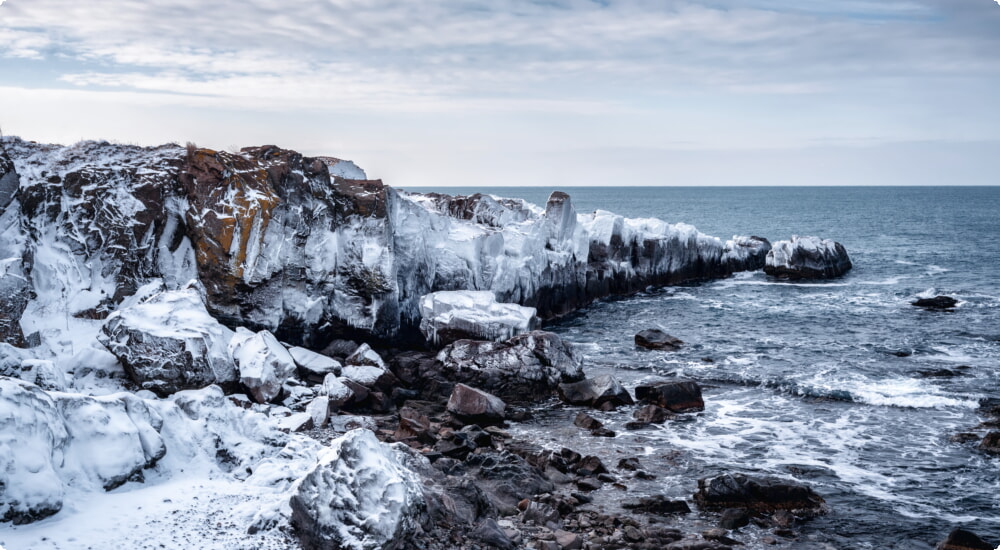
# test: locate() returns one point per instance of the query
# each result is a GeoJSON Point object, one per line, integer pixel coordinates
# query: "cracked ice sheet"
{"type": "Point", "coordinates": [183, 512]}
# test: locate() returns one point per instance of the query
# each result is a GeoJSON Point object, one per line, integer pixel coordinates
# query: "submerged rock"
{"type": "Point", "coordinates": [990, 443]}
{"type": "Point", "coordinates": [960, 539]}
{"type": "Point", "coordinates": [359, 496]}
{"type": "Point", "coordinates": [448, 316]}
{"type": "Point", "coordinates": [170, 343]}
{"type": "Point", "coordinates": [760, 496]}
{"type": "Point", "coordinates": [525, 368]}
{"type": "Point", "coordinates": [937, 302]}
{"type": "Point", "coordinates": [807, 258]}
{"type": "Point", "coordinates": [657, 339]}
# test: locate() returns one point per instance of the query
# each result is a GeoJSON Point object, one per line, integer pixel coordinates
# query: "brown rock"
{"type": "Point", "coordinates": [675, 395]}
{"type": "Point", "coordinates": [960, 539]}
{"type": "Point", "coordinates": [475, 406]}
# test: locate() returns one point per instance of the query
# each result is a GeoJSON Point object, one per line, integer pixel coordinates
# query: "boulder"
{"type": "Point", "coordinates": [32, 432]}
{"type": "Point", "coordinates": [526, 368]}
{"type": "Point", "coordinates": [603, 391]}
{"type": "Point", "coordinates": [587, 422]}
{"type": "Point", "coordinates": [365, 356]}
{"type": "Point", "coordinates": [319, 411]}
{"type": "Point", "coordinates": [313, 367]}
{"type": "Point", "coordinates": [960, 539]}
{"type": "Point", "coordinates": [339, 393]}
{"type": "Point", "coordinates": [652, 414]}
{"type": "Point", "coordinates": [359, 496]}
{"type": "Point", "coordinates": [759, 496]}
{"type": "Point", "coordinates": [471, 405]}
{"type": "Point", "coordinates": [169, 343]}
{"type": "Point", "coordinates": [937, 302]}
{"type": "Point", "coordinates": [657, 339]}
{"type": "Point", "coordinates": [448, 316]}
{"type": "Point", "coordinates": [413, 425]}
{"type": "Point", "coordinates": [807, 258]}
{"type": "Point", "coordinates": [675, 395]}
{"type": "Point", "coordinates": [658, 504]}
{"type": "Point", "coordinates": [263, 363]}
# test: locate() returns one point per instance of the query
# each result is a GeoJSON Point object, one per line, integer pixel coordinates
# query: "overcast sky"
{"type": "Point", "coordinates": [516, 92]}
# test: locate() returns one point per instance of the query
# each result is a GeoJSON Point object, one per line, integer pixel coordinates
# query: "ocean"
{"type": "Point", "coordinates": [841, 384]}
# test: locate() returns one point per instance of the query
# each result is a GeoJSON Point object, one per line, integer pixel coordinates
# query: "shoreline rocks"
{"type": "Point", "coordinates": [941, 303]}
{"type": "Point", "coordinates": [658, 340]}
{"type": "Point", "coordinates": [677, 396]}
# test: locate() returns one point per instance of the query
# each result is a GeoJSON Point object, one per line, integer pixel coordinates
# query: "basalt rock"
{"type": "Point", "coordinates": [960, 539]}
{"type": "Point", "coordinates": [472, 405]}
{"type": "Point", "coordinates": [807, 258]}
{"type": "Point", "coordinates": [603, 391]}
{"type": "Point", "coordinates": [759, 496]}
{"type": "Point", "coordinates": [991, 443]}
{"type": "Point", "coordinates": [675, 395]}
{"type": "Point", "coordinates": [657, 339]}
{"type": "Point", "coordinates": [937, 302]}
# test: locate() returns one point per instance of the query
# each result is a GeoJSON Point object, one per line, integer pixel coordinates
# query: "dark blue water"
{"type": "Point", "coordinates": [806, 381]}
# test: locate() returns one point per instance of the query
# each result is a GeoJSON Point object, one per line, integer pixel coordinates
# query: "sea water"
{"type": "Point", "coordinates": [841, 384]}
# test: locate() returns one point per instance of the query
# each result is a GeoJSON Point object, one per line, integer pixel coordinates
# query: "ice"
{"type": "Point", "coordinates": [452, 315]}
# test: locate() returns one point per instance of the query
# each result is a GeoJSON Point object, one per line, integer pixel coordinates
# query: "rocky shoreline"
{"type": "Point", "coordinates": [368, 358]}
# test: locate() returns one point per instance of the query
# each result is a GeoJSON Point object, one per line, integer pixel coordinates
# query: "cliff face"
{"type": "Point", "coordinates": [305, 247]}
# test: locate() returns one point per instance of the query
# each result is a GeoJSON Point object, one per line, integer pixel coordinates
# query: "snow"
{"type": "Point", "coordinates": [264, 364]}
{"type": "Point", "coordinates": [366, 375]}
{"type": "Point", "coordinates": [365, 356]}
{"type": "Point", "coordinates": [472, 314]}
{"type": "Point", "coordinates": [314, 362]}
{"type": "Point", "coordinates": [358, 496]}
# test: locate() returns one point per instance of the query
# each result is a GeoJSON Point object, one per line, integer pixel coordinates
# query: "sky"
{"type": "Point", "coordinates": [517, 92]}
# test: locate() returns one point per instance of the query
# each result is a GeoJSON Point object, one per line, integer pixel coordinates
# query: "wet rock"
{"type": "Point", "coordinates": [488, 532]}
{"type": "Point", "coordinates": [587, 422]}
{"type": "Point", "coordinates": [658, 340]}
{"type": "Point", "coordinates": [960, 539]}
{"type": "Point", "coordinates": [652, 414]}
{"type": "Point", "coordinates": [263, 363]}
{"type": "Point", "coordinates": [807, 258]}
{"type": "Point", "coordinates": [169, 343]}
{"type": "Point", "coordinates": [720, 535]}
{"type": "Point", "coordinates": [760, 496]}
{"type": "Point", "coordinates": [590, 465]}
{"type": "Point", "coordinates": [588, 484]}
{"type": "Point", "coordinates": [359, 495]}
{"type": "Point", "coordinates": [507, 479]}
{"type": "Point", "coordinates": [734, 518]}
{"type": "Point", "coordinates": [990, 443]}
{"type": "Point", "coordinates": [602, 432]}
{"type": "Point", "coordinates": [937, 302]}
{"type": "Point", "coordinates": [675, 395]}
{"type": "Point", "coordinates": [659, 505]}
{"type": "Point", "coordinates": [526, 368]}
{"type": "Point", "coordinates": [631, 464]}
{"type": "Point", "coordinates": [540, 514]}
{"type": "Point", "coordinates": [696, 545]}
{"type": "Point", "coordinates": [448, 316]}
{"type": "Point", "coordinates": [471, 405]}
{"type": "Point", "coordinates": [413, 425]}
{"type": "Point", "coordinates": [598, 392]}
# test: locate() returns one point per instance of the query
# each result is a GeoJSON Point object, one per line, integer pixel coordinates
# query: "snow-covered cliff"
{"type": "Point", "coordinates": [300, 246]}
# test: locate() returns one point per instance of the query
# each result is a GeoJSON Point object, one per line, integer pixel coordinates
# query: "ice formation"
{"type": "Point", "coordinates": [447, 316]}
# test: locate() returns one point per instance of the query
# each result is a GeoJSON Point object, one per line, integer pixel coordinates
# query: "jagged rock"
{"type": "Point", "coordinates": [568, 541]}
{"type": "Point", "coordinates": [587, 422]}
{"type": "Point", "coordinates": [41, 372]}
{"type": "Point", "coordinates": [488, 532]}
{"type": "Point", "coordinates": [540, 514]}
{"type": "Point", "coordinates": [652, 414]}
{"type": "Point", "coordinates": [17, 292]}
{"type": "Point", "coordinates": [507, 479]}
{"type": "Point", "coordinates": [359, 495]}
{"type": "Point", "coordinates": [170, 343]}
{"type": "Point", "coordinates": [313, 367]}
{"type": "Point", "coordinates": [319, 411]}
{"type": "Point", "coordinates": [960, 539]}
{"type": "Point", "coordinates": [937, 302]}
{"type": "Point", "coordinates": [339, 393]}
{"type": "Point", "coordinates": [263, 363]}
{"type": "Point", "coordinates": [675, 395]}
{"type": "Point", "coordinates": [807, 258]}
{"type": "Point", "coordinates": [600, 391]}
{"type": "Point", "coordinates": [525, 368]}
{"type": "Point", "coordinates": [413, 424]}
{"type": "Point", "coordinates": [476, 406]}
{"type": "Point", "coordinates": [657, 339]}
{"type": "Point", "coordinates": [365, 356]}
{"type": "Point", "coordinates": [743, 253]}
{"type": "Point", "coordinates": [734, 518]}
{"type": "Point", "coordinates": [991, 443]}
{"type": "Point", "coordinates": [760, 496]}
{"type": "Point", "coordinates": [448, 316]}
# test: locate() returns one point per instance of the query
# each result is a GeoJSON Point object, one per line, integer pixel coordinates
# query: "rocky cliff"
{"type": "Point", "coordinates": [304, 247]}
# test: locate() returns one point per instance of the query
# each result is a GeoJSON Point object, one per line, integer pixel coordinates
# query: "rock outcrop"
{"type": "Point", "coordinates": [807, 258]}
{"type": "Point", "coordinates": [527, 367]}
{"type": "Point", "coordinates": [305, 247]}
{"type": "Point", "coordinates": [674, 395]}
{"type": "Point", "coordinates": [657, 339]}
{"type": "Point", "coordinates": [760, 496]}
{"type": "Point", "coordinates": [937, 302]}
{"type": "Point", "coordinates": [448, 316]}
